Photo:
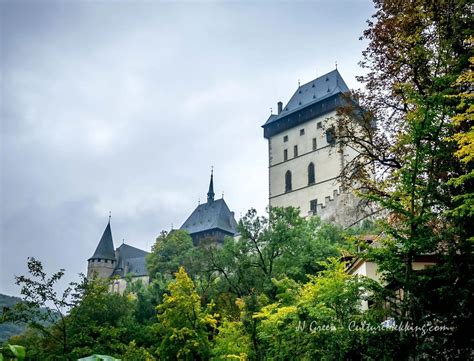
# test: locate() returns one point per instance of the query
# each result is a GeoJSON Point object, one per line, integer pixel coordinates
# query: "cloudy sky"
{"type": "Point", "coordinates": [124, 107]}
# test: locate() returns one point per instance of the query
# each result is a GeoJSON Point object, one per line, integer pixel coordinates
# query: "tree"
{"type": "Point", "coordinates": [184, 325]}
{"type": "Point", "coordinates": [102, 322]}
{"type": "Point", "coordinates": [232, 341]}
{"type": "Point", "coordinates": [407, 130]}
{"type": "Point", "coordinates": [170, 251]}
{"type": "Point", "coordinates": [43, 309]}
{"type": "Point", "coordinates": [281, 244]}
{"type": "Point", "coordinates": [318, 319]}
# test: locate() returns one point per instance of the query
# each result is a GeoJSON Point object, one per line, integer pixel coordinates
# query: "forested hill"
{"type": "Point", "coordinates": [8, 329]}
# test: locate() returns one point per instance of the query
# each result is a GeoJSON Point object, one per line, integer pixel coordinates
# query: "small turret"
{"type": "Point", "coordinates": [103, 261]}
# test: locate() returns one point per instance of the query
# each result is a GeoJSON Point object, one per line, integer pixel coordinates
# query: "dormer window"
{"type": "Point", "coordinates": [302, 131]}
{"type": "Point", "coordinates": [285, 138]}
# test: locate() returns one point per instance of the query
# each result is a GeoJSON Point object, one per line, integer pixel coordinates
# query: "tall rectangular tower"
{"type": "Point", "coordinates": [305, 158]}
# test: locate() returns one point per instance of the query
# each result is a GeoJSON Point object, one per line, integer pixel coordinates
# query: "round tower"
{"type": "Point", "coordinates": [103, 261]}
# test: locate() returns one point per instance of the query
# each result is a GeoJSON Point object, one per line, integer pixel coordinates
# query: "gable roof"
{"type": "Point", "coordinates": [130, 260]}
{"type": "Point", "coordinates": [312, 92]}
{"type": "Point", "coordinates": [211, 215]}
{"type": "Point", "coordinates": [126, 251]}
{"type": "Point", "coordinates": [105, 248]}
{"type": "Point", "coordinates": [137, 266]}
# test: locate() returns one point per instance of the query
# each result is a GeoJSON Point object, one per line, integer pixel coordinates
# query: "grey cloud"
{"type": "Point", "coordinates": [125, 106]}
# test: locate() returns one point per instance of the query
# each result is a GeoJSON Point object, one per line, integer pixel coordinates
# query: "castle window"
{"type": "Point", "coordinates": [315, 146]}
{"type": "Point", "coordinates": [302, 131]}
{"type": "Point", "coordinates": [319, 125]}
{"type": "Point", "coordinates": [106, 261]}
{"type": "Point", "coordinates": [295, 151]}
{"type": "Point", "coordinates": [311, 177]}
{"type": "Point", "coordinates": [331, 136]}
{"type": "Point", "coordinates": [288, 181]}
{"type": "Point", "coordinates": [285, 155]}
{"type": "Point", "coordinates": [313, 205]}
{"type": "Point", "coordinates": [285, 138]}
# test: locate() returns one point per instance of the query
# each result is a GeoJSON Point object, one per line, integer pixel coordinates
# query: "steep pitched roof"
{"type": "Point", "coordinates": [105, 248]}
{"type": "Point", "coordinates": [137, 266]}
{"type": "Point", "coordinates": [130, 260]}
{"type": "Point", "coordinates": [126, 251]}
{"type": "Point", "coordinates": [211, 215]}
{"type": "Point", "coordinates": [312, 92]}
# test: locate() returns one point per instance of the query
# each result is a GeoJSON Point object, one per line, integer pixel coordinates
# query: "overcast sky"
{"type": "Point", "coordinates": [124, 107]}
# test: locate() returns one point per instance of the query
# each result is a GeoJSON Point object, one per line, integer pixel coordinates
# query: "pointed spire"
{"type": "Point", "coordinates": [210, 193]}
{"type": "Point", "coordinates": [105, 248]}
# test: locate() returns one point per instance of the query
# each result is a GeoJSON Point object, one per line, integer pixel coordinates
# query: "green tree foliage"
{"type": "Point", "coordinates": [464, 137]}
{"type": "Point", "coordinates": [102, 322]}
{"type": "Point", "coordinates": [231, 342]}
{"type": "Point", "coordinates": [281, 244]}
{"type": "Point", "coordinates": [317, 320]}
{"type": "Point", "coordinates": [97, 322]}
{"type": "Point", "coordinates": [12, 352]}
{"type": "Point", "coordinates": [184, 325]}
{"type": "Point", "coordinates": [414, 132]}
{"type": "Point", "coordinates": [170, 251]}
{"type": "Point", "coordinates": [8, 329]}
{"type": "Point", "coordinates": [42, 306]}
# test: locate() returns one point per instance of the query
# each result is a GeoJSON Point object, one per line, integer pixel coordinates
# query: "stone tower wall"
{"type": "Point", "coordinates": [103, 268]}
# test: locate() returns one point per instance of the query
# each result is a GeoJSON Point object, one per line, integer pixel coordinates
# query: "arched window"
{"type": "Point", "coordinates": [311, 178]}
{"type": "Point", "coordinates": [287, 181]}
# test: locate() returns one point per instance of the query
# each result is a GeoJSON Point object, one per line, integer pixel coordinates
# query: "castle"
{"type": "Point", "coordinates": [212, 220]}
{"type": "Point", "coordinates": [304, 157]}
{"type": "Point", "coordinates": [304, 162]}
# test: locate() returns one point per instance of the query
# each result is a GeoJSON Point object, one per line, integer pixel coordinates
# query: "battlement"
{"type": "Point", "coordinates": [342, 208]}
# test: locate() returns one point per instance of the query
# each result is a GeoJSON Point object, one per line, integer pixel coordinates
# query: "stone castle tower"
{"type": "Point", "coordinates": [103, 261]}
{"type": "Point", "coordinates": [305, 158]}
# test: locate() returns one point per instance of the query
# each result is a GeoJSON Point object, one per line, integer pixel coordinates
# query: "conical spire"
{"type": "Point", "coordinates": [105, 248]}
{"type": "Point", "coordinates": [210, 194]}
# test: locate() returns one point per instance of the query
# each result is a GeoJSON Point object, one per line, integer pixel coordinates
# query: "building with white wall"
{"type": "Point", "coordinates": [304, 156]}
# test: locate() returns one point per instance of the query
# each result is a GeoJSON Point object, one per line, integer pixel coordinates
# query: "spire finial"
{"type": "Point", "coordinates": [210, 193]}
{"type": "Point", "coordinates": [110, 215]}
{"type": "Point", "coordinates": [299, 83]}
{"type": "Point", "coordinates": [271, 110]}
{"type": "Point", "coordinates": [336, 63]}
{"type": "Point", "coordinates": [222, 194]}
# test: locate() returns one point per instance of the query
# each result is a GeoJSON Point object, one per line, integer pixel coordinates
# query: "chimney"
{"type": "Point", "coordinates": [280, 107]}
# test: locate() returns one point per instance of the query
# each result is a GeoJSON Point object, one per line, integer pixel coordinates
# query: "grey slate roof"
{"type": "Point", "coordinates": [130, 260]}
{"type": "Point", "coordinates": [137, 266]}
{"type": "Point", "coordinates": [105, 248]}
{"type": "Point", "coordinates": [126, 251]}
{"type": "Point", "coordinates": [312, 92]}
{"type": "Point", "coordinates": [211, 215]}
